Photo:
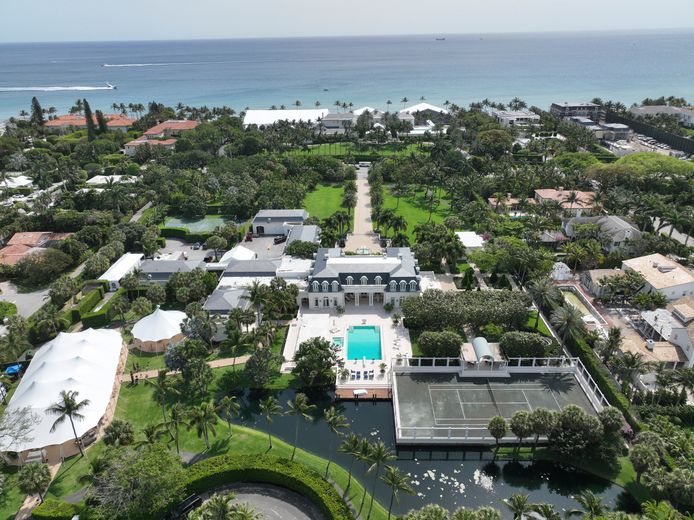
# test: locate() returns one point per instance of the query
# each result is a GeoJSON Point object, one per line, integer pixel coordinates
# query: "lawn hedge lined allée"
{"type": "Point", "coordinates": [218, 471]}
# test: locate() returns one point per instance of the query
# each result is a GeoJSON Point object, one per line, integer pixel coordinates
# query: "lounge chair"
{"type": "Point", "coordinates": [351, 375]}
{"type": "Point", "coordinates": [371, 374]}
{"type": "Point", "coordinates": [359, 375]}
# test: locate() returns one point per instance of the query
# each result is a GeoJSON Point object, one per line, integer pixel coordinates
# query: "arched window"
{"type": "Point", "coordinates": [325, 286]}
{"type": "Point", "coordinates": [377, 280]}
{"type": "Point", "coordinates": [364, 280]}
{"type": "Point", "coordinates": [350, 280]}
{"type": "Point", "coordinates": [413, 285]}
{"type": "Point", "coordinates": [315, 286]}
{"type": "Point", "coordinates": [336, 286]}
{"type": "Point", "coordinates": [393, 286]}
{"type": "Point", "coordinates": [403, 286]}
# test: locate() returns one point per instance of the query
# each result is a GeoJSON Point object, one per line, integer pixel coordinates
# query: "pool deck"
{"type": "Point", "coordinates": [395, 342]}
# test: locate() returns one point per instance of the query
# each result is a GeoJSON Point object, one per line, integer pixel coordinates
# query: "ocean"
{"type": "Point", "coordinates": [257, 73]}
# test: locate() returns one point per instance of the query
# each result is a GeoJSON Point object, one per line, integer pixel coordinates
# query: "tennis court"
{"type": "Point", "coordinates": [438, 405]}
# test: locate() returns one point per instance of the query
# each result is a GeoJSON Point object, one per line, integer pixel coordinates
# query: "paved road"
{"type": "Point", "coordinates": [363, 235]}
{"type": "Point", "coordinates": [27, 303]}
{"type": "Point", "coordinates": [274, 502]}
{"type": "Point", "coordinates": [676, 235]}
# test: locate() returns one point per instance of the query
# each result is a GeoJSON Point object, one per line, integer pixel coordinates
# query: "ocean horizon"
{"type": "Point", "coordinates": [540, 68]}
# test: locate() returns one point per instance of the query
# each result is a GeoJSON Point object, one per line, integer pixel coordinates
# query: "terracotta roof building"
{"type": "Point", "coordinates": [113, 121]}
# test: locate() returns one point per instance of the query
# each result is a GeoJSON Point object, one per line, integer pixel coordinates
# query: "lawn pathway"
{"type": "Point", "coordinates": [216, 363]}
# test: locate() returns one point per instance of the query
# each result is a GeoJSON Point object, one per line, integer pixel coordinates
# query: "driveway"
{"type": "Point", "coordinates": [27, 303]}
{"type": "Point", "coordinates": [363, 236]}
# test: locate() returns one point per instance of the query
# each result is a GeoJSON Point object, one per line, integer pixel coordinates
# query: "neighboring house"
{"type": "Point", "coordinates": [616, 132]}
{"type": "Point", "coordinates": [516, 118]}
{"type": "Point", "coordinates": [615, 232]}
{"type": "Point", "coordinates": [102, 180]}
{"type": "Point", "coordinates": [16, 181]}
{"type": "Point", "coordinates": [423, 111]}
{"type": "Point", "coordinates": [510, 205]}
{"type": "Point", "coordinates": [340, 280]}
{"type": "Point", "coordinates": [277, 221]}
{"type": "Point", "coordinates": [590, 111]}
{"type": "Point", "coordinates": [337, 122]}
{"type": "Point", "coordinates": [237, 253]}
{"type": "Point", "coordinates": [303, 233]}
{"type": "Point", "coordinates": [583, 204]}
{"type": "Point", "coordinates": [552, 239]}
{"type": "Point", "coordinates": [561, 272]}
{"type": "Point", "coordinates": [591, 279]}
{"type": "Point", "coordinates": [162, 134]}
{"type": "Point", "coordinates": [124, 265]}
{"type": "Point", "coordinates": [270, 117]}
{"type": "Point", "coordinates": [223, 299]}
{"type": "Point", "coordinates": [74, 121]}
{"type": "Point", "coordinates": [24, 243]}
{"type": "Point", "coordinates": [663, 275]}
{"type": "Point", "coordinates": [670, 332]}
{"type": "Point", "coordinates": [159, 271]}
{"type": "Point", "coordinates": [684, 114]}
{"type": "Point", "coordinates": [471, 240]}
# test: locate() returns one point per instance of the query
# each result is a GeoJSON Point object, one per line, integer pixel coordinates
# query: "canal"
{"type": "Point", "coordinates": [447, 476]}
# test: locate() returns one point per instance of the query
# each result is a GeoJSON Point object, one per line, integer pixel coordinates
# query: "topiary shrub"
{"type": "Point", "coordinates": [440, 344]}
{"type": "Point", "coordinates": [56, 510]}
{"type": "Point", "coordinates": [525, 345]}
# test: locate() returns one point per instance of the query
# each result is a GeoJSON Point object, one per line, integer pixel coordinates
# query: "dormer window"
{"type": "Point", "coordinates": [350, 280]}
{"type": "Point", "coordinates": [403, 286]}
{"type": "Point", "coordinates": [336, 286]}
{"type": "Point", "coordinates": [325, 286]}
{"type": "Point", "coordinates": [315, 286]}
{"type": "Point", "coordinates": [393, 286]}
{"type": "Point", "coordinates": [413, 286]}
{"type": "Point", "coordinates": [364, 280]}
{"type": "Point", "coordinates": [378, 280]}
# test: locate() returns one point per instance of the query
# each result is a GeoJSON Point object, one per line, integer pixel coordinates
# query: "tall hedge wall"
{"type": "Point", "coordinates": [217, 471]}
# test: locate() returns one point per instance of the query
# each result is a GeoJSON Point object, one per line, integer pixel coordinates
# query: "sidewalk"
{"type": "Point", "coordinates": [216, 363]}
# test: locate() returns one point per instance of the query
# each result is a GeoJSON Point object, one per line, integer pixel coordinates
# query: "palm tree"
{"type": "Point", "coordinates": [269, 407]}
{"type": "Point", "coordinates": [568, 321]}
{"type": "Point", "coordinates": [685, 378]}
{"type": "Point", "coordinates": [258, 296]}
{"type": "Point", "coordinates": [300, 408]}
{"type": "Point", "coordinates": [378, 455]}
{"type": "Point", "coordinates": [203, 418]}
{"type": "Point", "coordinates": [518, 504]}
{"type": "Point", "coordinates": [397, 481]}
{"type": "Point", "coordinates": [591, 504]}
{"type": "Point", "coordinates": [34, 478]}
{"type": "Point", "coordinates": [612, 344]}
{"type": "Point", "coordinates": [349, 201]}
{"type": "Point", "coordinates": [68, 407]}
{"type": "Point", "coordinates": [404, 102]}
{"type": "Point", "coordinates": [546, 511]}
{"type": "Point", "coordinates": [177, 419]}
{"type": "Point", "coordinates": [218, 507]}
{"type": "Point", "coordinates": [336, 422]}
{"type": "Point", "coordinates": [350, 445]}
{"type": "Point", "coordinates": [163, 387]}
{"type": "Point", "coordinates": [152, 433]}
{"type": "Point", "coordinates": [245, 512]}
{"type": "Point", "coordinates": [630, 366]}
{"type": "Point", "coordinates": [572, 198]}
{"type": "Point", "coordinates": [228, 407]}
{"type": "Point", "coordinates": [545, 293]}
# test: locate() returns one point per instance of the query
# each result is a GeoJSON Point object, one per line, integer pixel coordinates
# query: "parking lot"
{"type": "Point", "coordinates": [264, 247]}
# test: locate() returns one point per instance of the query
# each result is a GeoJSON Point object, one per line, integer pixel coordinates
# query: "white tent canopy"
{"type": "Point", "coordinates": [238, 253]}
{"type": "Point", "coordinates": [85, 362]}
{"type": "Point", "coordinates": [159, 325]}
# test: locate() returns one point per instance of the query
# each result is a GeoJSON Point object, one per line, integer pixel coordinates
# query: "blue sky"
{"type": "Point", "coordinates": [97, 20]}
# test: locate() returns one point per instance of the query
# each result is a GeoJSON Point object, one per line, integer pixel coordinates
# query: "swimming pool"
{"type": "Point", "coordinates": [364, 341]}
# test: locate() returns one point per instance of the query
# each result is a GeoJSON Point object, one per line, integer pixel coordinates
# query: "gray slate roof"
{"type": "Point", "coordinates": [255, 267]}
{"type": "Point", "coordinates": [223, 300]}
{"type": "Point", "coordinates": [615, 227]}
{"type": "Point", "coordinates": [168, 267]}
{"type": "Point", "coordinates": [303, 234]}
{"type": "Point", "coordinates": [281, 215]}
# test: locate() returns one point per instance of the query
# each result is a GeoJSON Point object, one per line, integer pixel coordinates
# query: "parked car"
{"type": "Point", "coordinates": [197, 246]}
{"type": "Point", "coordinates": [280, 239]}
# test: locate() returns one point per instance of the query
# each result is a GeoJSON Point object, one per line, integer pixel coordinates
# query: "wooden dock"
{"type": "Point", "coordinates": [372, 394]}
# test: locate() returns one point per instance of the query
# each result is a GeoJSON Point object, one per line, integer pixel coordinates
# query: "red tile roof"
{"type": "Point", "coordinates": [159, 142]}
{"type": "Point", "coordinates": [35, 238]}
{"type": "Point", "coordinates": [173, 125]}
{"type": "Point", "coordinates": [10, 255]}
{"type": "Point", "coordinates": [112, 120]}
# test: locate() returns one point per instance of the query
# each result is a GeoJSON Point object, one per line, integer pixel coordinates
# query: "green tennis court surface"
{"type": "Point", "coordinates": [436, 404]}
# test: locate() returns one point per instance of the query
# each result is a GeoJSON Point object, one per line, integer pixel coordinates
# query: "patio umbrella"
{"type": "Point", "coordinates": [13, 370]}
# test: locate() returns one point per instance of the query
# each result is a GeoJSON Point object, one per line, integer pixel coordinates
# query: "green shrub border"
{"type": "Point", "coordinates": [183, 233]}
{"type": "Point", "coordinates": [218, 471]}
{"type": "Point", "coordinates": [56, 510]}
{"type": "Point", "coordinates": [102, 317]}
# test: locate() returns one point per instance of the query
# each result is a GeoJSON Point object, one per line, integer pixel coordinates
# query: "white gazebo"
{"type": "Point", "coordinates": [158, 330]}
{"type": "Point", "coordinates": [85, 362]}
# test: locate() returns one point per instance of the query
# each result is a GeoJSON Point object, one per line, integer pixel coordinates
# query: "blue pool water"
{"type": "Point", "coordinates": [364, 342]}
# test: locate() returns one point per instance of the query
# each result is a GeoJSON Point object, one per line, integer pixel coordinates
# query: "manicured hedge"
{"type": "Point", "coordinates": [183, 233]}
{"type": "Point", "coordinates": [599, 373]}
{"type": "Point", "coordinates": [89, 301]}
{"type": "Point", "coordinates": [56, 510]}
{"type": "Point", "coordinates": [683, 413]}
{"type": "Point", "coordinates": [218, 471]}
{"type": "Point", "coordinates": [101, 317]}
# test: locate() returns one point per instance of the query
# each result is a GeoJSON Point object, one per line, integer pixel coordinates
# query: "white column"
{"type": "Point", "coordinates": [371, 299]}
{"type": "Point", "coordinates": [356, 298]}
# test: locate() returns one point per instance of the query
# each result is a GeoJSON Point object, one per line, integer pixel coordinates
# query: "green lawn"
{"type": "Point", "coordinates": [323, 201]}
{"type": "Point", "coordinates": [342, 149]}
{"type": "Point", "coordinates": [12, 498]}
{"type": "Point", "coordinates": [136, 405]}
{"type": "Point", "coordinates": [541, 327]}
{"type": "Point", "coordinates": [415, 209]}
